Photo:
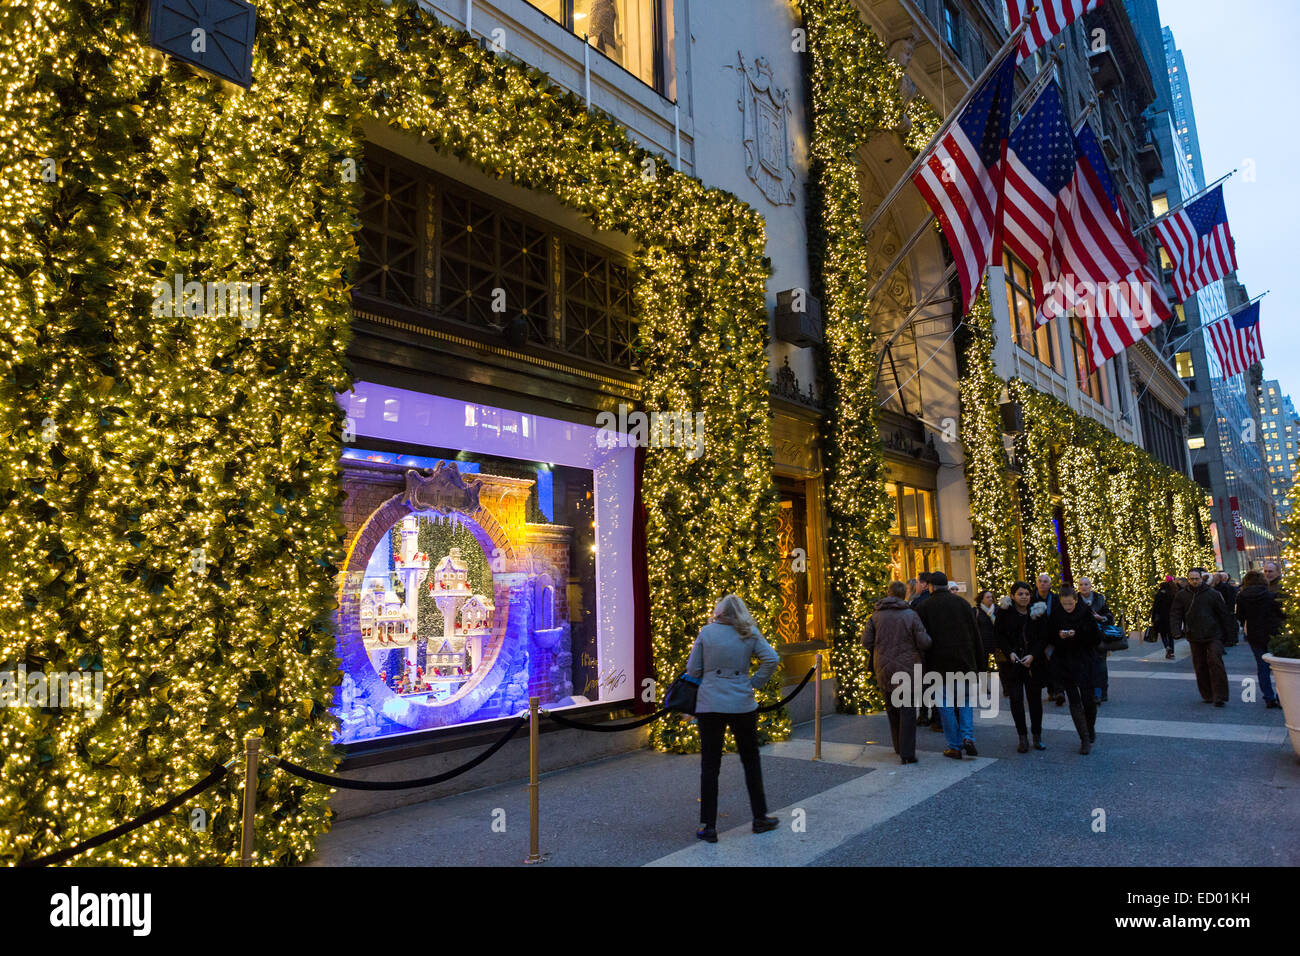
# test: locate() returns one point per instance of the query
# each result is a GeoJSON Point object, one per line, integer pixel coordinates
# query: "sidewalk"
{"type": "Point", "coordinates": [1180, 782]}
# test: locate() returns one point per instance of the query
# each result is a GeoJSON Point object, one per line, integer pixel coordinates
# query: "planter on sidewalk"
{"type": "Point", "coordinates": [1286, 678]}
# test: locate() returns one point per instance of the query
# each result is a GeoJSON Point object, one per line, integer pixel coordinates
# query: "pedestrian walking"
{"type": "Point", "coordinates": [897, 641]}
{"type": "Point", "coordinates": [912, 589]}
{"type": "Point", "coordinates": [1072, 634]}
{"type": "Point", "coordinates": [1273, 575]}
{"type": "Point", "coordinates": [720, 660]}
{"type": "Point", "coordinates": [927, 717]}
{"type": "Point", "coordinates": [1259, 609]}
{"type": "Point", "coordinates": [985, 615]}
{"type": "Point", "coordinates": [1095, 601]}
{"type": "Point", "coordinates": [1200, 615]}
{"type": "Point", "coordinates": [1228, 591]}
{"type": "Point", "coordinates": [1161, 606]}
{"type": "Point", "coordinates": [922, 589]}
{"type": "Point", "coordinates": [1045, 596]}
{"type": "Point", "coordinates": [1016, 664]}
{"type": "Point", "coordinates": [954, 646]}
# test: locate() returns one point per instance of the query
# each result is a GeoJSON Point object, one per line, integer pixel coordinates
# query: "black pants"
{"type": "Point", "coordinates": [1022, 687]}
{"type": "Point", "coordinates": [1080, 697]}
{"type": "Point", "coordinates": [744, 727]}
{"type": "Point", "coordinates": [902, 729]}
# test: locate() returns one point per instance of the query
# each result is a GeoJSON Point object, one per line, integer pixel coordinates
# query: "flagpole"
{"type": "Point", "coordinates": [1173, 346]}
{"type": "Point", "coordinates": [1165, 215]}
{"type": "Point", "coordinates": [1027, 94]}
{"type": "Point", "coordinates": [929, 299]}
{"type": "Point", "coordinates": [1012, 41]}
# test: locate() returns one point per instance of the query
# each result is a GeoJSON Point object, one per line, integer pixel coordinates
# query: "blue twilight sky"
{"type": "Point", "coordinates": [1245, 79]}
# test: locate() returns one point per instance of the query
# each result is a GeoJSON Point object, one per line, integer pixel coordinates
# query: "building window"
{"type": "Point", "coordinates": [629, 32]}
{"type": "Point", "coordinates": [952, 25]}
{"type": "Point", "coordinates": [432, 245]}
{"type": "Point", "coordinates": [1037, 341]}
{"type": "Point", "coordinates": [1159, 205]}
{"type": "Point", "coordinates": [1089, 382]}
{"type": "Point", "coordinates": [1183, 363]}
{"type": "Point", "coordinates": [1195, 425]}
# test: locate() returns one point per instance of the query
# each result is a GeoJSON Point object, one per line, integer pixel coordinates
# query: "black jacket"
{"type": "Point", "coordinates": [1160, 608]}
{"type": "Point", "coordinates": [1229, 595]}
{"type": "Point", "coordinates": [1011, 634]}
{"type": "Point", "coordinates": [948, 621]}
{"type": "Point", "coordinates": [1072, 657]}
{"type": "Point", "coordinates": [1201, 616]}
{"type": "Point", "coordinates": [1099, 606]}
{"type": "Point", "coordinates": [1260, 609]}
{"type": "Point", "coordinates": [984, 628]}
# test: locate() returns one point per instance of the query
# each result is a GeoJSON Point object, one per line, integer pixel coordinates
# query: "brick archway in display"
{"type": "Point", "coordinates": [497, 523]}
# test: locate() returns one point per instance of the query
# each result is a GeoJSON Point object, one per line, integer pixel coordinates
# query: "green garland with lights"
{"type": "Point", "coordinates": [170, 485]}
{"type": "Point", "coordinates": [1286, 642]}
{"type": "Point", "coordinates": [991, 490]}
{"type": "Point", "coordinates": [854, 95]}
{"type": "Point", "coordinates": [1129, 519]}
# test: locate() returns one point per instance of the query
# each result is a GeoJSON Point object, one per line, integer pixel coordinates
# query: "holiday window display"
{"type": "Point", "coordinates": [455, 606]}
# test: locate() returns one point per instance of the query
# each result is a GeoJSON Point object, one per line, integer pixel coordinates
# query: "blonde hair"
{"type": "Point", "coordinates": [731, 610]}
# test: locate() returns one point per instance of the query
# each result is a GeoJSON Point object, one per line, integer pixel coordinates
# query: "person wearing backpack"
{"type": "Point", "coordinates": [720, 660]}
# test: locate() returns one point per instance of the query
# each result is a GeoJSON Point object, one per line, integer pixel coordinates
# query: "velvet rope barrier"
{"type": "Point", "coordinates": [642, 721]}
{"type": "Point", "coordinates": [64, 855]}
{"type": "Point", "coordinates": [791, 696]}
{"type": "Point", "coordinates": [345, 784]}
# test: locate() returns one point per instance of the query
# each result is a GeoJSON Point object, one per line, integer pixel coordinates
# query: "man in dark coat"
{"type": "Point", "coordinates": [1095, 601]}
{"type": "Point", "coordinates": [926, 716]}
{"type": "Point", "coordinates": [1200, 615]}
{"type": "Point", "coordinates": [1260, 609]}
{"type": "Point", "coordinates": [897, 643]}
{"type": "Point", "coordinates": [954, 651]}
{"type": "Point", "coordinates": [1044, 595]}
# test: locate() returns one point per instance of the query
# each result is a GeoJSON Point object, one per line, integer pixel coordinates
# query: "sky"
{"type": "Point", "coordinates": [1243, 66]}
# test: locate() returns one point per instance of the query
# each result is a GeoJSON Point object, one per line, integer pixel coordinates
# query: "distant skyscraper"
{"type": "Point", "coordinates": [1281, 441]}
{"type": "Point", "coordinates": [1184, 115]}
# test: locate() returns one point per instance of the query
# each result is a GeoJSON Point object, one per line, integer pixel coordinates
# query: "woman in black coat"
{"type": "Point", "coordinates": [1160, 609]}
{"type": "Point", "coordinates": [1260, 609]}
{"type": "Point", "coordinates": [1073, 636]}
{"type": "Point", "coordinates": [1010, 648]}
{"type": "Point", "coordinates": [985, 615]}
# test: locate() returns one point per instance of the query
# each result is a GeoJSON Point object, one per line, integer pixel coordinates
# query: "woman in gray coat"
{"type": "Point", "coordinates": [720, 661]}
{"type": "Point", "coordinates": [896, 639]}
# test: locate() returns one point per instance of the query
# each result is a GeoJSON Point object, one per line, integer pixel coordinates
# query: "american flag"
{"type": "Point", "coordinates": [1060, 222]}
{"type": "Point", "coordinates": [1236, 341]}
{"type": "Point", "coordinates": [1040, 165]}
{"type": "Point", "coordinates": [961, 178]}
{"type": "Point", "coordinates": [1051, 17]}
{"type": "Point", "coordinates": [1140, 300]}
{"type": "Point", "coordinates": [1199, 243]}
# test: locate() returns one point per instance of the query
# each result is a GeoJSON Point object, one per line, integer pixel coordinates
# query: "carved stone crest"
{"type": "Point", "coordinates": [443, 490]}
{"type": "Point", "coordinates": [769, 157]}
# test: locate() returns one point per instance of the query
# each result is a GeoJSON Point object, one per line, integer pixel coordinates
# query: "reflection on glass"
{"type": "Point", "coordinates": [891, 490]}
{"type": "Point", "coordinates": [925, 506]}
{"type": "Point", "coordinates": [909, 512]}
{"type": "Point", "coordinates": [623, 30]}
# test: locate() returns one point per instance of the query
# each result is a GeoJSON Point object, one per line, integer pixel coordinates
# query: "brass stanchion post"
{"type": "Point", "coordinates": [246, 840]}
{"type": "Point", "coordinates": [817, 710]}
{"type": "Point", "coordinates": [534, 852]}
